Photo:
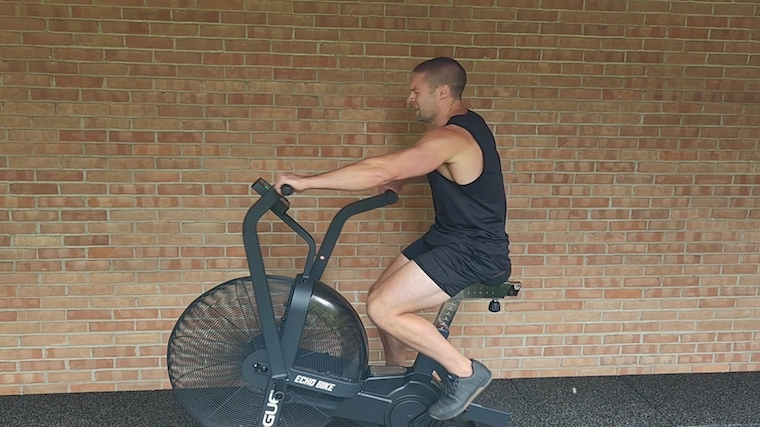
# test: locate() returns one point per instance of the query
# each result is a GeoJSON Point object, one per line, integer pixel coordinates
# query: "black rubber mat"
{"type": "Point", "coordinates": [678, 400]}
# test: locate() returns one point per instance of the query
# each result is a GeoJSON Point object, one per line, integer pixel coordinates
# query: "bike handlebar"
{"type": "Point", "coordinates": [390, 195]}
{"type": "Point", "coordinates": [282, 204]}
{"type": "Point", "coordinates": [336, 225]}
{"type": "Point", "coordinates": [271, 200]}
{"type": "Point", "coordinates": [388, 198]}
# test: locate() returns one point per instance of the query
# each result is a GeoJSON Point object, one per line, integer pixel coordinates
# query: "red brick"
{"type": "Point", "coordinates": [140, 42]}
{"type": "Point", "coordinates": [624, 191]}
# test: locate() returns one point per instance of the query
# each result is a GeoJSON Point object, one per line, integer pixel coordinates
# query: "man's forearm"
{"type": "Point", "coordinates": [363, 175]}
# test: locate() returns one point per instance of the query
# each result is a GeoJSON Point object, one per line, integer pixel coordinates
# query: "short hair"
{"type": "Point", "coordinates": [444, 70]}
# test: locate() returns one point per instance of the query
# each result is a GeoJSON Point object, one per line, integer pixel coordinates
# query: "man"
{"type": "Point", "coordinates": [466, 244]}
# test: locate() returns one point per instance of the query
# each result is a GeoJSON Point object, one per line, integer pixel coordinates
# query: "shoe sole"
{"type": "Point", "coordinates": [466, 405]}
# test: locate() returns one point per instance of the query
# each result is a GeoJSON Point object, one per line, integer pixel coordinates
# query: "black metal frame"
{"type": "Point", "coordinates": [366, 401]}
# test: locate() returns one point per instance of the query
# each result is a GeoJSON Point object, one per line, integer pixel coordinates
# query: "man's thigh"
{"type": "Point", "coordinates": [407, 290]}
{"type": "Point", "coordinates": [396, 264]}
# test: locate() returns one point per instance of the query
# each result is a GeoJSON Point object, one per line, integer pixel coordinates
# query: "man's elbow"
{"type": "Point", "coordinates": [385, 177]}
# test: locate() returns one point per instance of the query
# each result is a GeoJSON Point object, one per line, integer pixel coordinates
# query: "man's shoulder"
{"type": "Point", "coordinates": [449, 133]}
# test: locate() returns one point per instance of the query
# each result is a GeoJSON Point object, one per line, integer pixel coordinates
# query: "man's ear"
{"type": "Point", "coordinates": [444, 91]}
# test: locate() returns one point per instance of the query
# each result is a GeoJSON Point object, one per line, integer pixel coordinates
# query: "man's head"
{"type": "Point", "coordinates": [444, 71]}
{"type": "Point", "coordinates": [435, 86]}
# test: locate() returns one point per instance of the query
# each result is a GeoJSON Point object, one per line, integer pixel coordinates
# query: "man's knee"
{"type": "Point", "coordinates": [374, 311]}
{"type": "Point", "coordinates": [378, 308]}
{"type": "Point", "coordinates": [377, 287]}
{"type": "Point", "coordinates": [372, 295]}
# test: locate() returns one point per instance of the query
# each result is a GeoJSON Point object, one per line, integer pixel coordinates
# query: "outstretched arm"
{"type": "Point", "coordinates": [436, 147]}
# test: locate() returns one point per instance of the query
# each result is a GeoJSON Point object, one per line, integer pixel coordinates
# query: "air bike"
{"type": "Point", "coordinates": [268, 350]}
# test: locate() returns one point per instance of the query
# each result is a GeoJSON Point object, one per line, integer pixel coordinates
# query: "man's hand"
{"type": "Point", "coordinates": [293, 180]}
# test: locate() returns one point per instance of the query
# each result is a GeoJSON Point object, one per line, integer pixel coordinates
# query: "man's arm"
{"type": "Point", "coordinates": [436, 147]}
{"type": "Point", "coordinates": [398, 184]}
{"type": "Point", "coordinates": [415, 180]}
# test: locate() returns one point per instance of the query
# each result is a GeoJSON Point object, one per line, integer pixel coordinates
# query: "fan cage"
{"type": "Point", "coordinates": [218, 330]}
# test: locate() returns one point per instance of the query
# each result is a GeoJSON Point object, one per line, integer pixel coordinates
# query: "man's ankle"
{"type": "Point", "coordinates": [465, 371]}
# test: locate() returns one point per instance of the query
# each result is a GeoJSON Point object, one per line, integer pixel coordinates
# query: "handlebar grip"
{"type": "Point", "coordinates": [286, 190]}
{"type": "Point", "coordinates": [391, 197]}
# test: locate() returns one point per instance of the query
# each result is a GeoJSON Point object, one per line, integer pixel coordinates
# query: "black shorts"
{"type": "Point", "coordinates": [451, 268]}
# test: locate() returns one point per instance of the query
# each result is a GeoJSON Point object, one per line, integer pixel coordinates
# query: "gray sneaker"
{"type": "Point", "coordinates": [458, 392]}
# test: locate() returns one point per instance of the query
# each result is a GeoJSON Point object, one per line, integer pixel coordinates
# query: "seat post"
{"type": "Point", "coordinates": [476, 291]}
{"type": "Point", "coordinates": [446, 315]}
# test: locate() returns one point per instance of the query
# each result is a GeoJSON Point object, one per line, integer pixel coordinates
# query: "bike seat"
{"type": "Point", "coordinates": [498, 279]}
{"type": "Point", "coordinates": [498, 286]}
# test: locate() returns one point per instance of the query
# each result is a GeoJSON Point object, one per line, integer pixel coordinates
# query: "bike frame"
{"type": "Point", "coordinates": [281, 354]}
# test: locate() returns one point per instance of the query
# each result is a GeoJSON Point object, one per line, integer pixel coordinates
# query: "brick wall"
{"type": "Point", "coordinates": [628, 131]}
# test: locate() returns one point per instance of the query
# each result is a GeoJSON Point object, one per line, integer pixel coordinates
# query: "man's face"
{"type": "Point", "coordinates": [422, 98]}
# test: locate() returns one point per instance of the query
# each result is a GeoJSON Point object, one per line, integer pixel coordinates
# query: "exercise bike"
{"type": "Point", "coordinates": [268, 350]}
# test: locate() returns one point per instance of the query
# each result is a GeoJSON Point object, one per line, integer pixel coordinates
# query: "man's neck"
{"type": "Point", "coordinates": [455, 109]}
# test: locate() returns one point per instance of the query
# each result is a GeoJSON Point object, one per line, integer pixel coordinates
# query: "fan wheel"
{"type": "Point", "coordinates": [221, 330]}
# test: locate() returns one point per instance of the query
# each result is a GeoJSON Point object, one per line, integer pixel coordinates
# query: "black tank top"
{"type": "Point", "coordinates": [472, 216]}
